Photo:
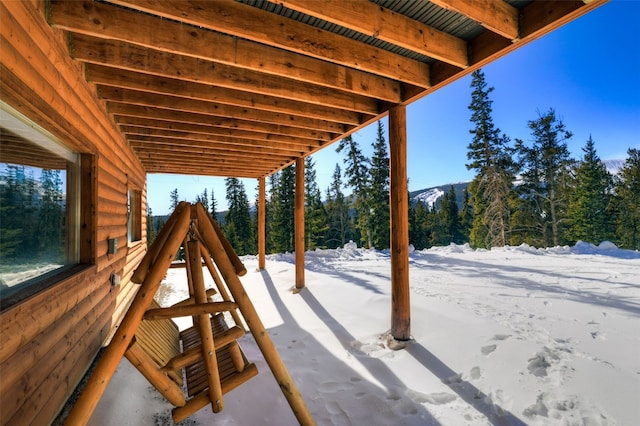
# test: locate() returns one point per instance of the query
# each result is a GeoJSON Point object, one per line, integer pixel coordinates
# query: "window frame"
{"type": "Point", "coordinates": [80, 202]}
{"type": "Point", "coordinates": [134, 216]}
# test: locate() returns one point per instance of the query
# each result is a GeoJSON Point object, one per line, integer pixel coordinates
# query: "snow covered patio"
{"type": "Point", "coordinates": [508, 336]}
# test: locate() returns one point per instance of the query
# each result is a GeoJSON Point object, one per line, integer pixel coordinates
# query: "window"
{"type": "Point", "coordinates": [39, 207]}
{"type": "Point", "coordinates": [134, 212]}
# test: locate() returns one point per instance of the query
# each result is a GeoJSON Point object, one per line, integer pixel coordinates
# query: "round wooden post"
{"type": "Point", "coordinates": [262, 220]}
{"type": "Point", "coordinates": [97, 383]}
{"type": "Point", "coordinates": [399, 211]}
{"type": "Point", "coordinates": [204, 323]}
{"type": "Point", "coordinates": [299, 223]}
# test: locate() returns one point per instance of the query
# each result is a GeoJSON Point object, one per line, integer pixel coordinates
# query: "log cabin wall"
{"type": "Point", "coordinates": [49, 340]}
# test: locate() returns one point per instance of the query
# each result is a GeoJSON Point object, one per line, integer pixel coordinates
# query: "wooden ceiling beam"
{"type": "Point", "coordinates": [232, 144]}
{"type": "Point", "coordinates": [173, 129]}
{"type": "Point", "coordinates": [496, 16]}
{"type": "Point", "coordinates": [111, 22]}
{"type": "Point", "coordinates": [118, 109]}
{"type": "Point", "coordinates": [217, 162]}
{"type": "Point", "coordinates": [221, 147]}
{"type": "Point", "coordinates": [153, 123]}
{"type": "Point", "coordinates": [135, 58]}
{"type": "Point", "coordinates": [257, 25]}
{"type": "Point", "coordinates": [368, 18]}
{"type": "Point", "coordinates": [162, 85]}
{"type": "Point", "coordinates": [132, 97]}
{"type": "Point", "coordinates": [195, 155]}
{"type": "Point", "coordinates": [156, 167]}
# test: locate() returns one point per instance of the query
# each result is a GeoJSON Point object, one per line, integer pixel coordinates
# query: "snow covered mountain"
{"type": "Point", "coordinates": [614, 166]}
{"type": "Point", "coordinates": [431, 196]}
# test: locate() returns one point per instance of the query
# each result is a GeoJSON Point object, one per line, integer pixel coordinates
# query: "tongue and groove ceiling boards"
{"type": "Point", "coordinates": [244, 88]}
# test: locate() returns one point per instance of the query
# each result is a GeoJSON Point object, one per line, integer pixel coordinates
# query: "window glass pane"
{"type": "Point", "coordinates": [38, 214]}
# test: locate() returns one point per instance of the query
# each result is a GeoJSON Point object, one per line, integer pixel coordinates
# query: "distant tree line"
{"type": "Point", "coordinates": [533, 193]}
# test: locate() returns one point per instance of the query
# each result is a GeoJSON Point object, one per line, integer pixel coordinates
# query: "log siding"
{"type": "Point", "coordinates": [48, 341]}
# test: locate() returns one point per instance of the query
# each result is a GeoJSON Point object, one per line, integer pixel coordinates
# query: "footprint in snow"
{"type": "Point", "coordinates": [501, 337]}
{"type": "Point", "coordinates": [475, 373]}
{"type": "Point", "coordinates": [437, 398]}
{"type": "Point", "coordinates": [486, 350]}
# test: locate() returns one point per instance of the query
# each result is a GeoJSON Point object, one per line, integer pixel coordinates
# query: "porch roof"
{"type": "Point", "coordinates": [244, 88]}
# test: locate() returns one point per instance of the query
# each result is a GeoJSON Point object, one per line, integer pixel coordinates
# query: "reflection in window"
{"type": "Point", "coordinates": [38, 205]}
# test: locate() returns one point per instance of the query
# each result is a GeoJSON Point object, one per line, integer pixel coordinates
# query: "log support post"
{"type": "Point", "coordinates": [400, 305]}
{"type": "Point", "coordinates": [262, 222]}
{"type": "Point", "coordinates": [299, 223]}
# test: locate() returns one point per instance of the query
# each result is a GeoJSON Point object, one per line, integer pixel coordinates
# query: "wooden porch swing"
{"type": "Point", "coordinates": [208, 353]}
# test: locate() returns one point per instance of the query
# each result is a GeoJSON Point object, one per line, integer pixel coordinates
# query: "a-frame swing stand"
{"type": "Point", "coordinates": [208, 352]}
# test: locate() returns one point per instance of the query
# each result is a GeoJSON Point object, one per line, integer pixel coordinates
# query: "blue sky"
{"type": "Point", "coordinates": [588, 71]}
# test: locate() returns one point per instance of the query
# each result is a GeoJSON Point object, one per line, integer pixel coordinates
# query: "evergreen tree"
{"type": "Point", "coordinates": [12, 221]}
{"type": "Point", "coordinates": [152, 232]}
{"type": "Point", "coordinates": [450, 218]}
{"type": "Point", "coordinates": [174, 199]}
{"type": "Point", "coordinates": [283, 223]}
{"type": "Point", "coordinates": [466, 216]}
{"type": "Point", "coordinates": [357, 174]}
{"type": "Point", "coordinates": [270, 203]}
{"type": "Point", "coordinates": [546, 179]}
{"type": "Point", "coordinates": [490, 157]}
{"type": "Point", "coordinates": [627, 202]}
{"type": "Point", "coordinates": [213, 207]}
{"type": "Point", "coordinates": [379, 192]}
{"type": "Point", "coordinates": [237, 226]}
{"type": "Point", "coordinates": [423, 226]}
{"type": "Point", "coordinates": [315, 215]}
{"type": "Point", "coordinates": [203, 199]}
{"type": "Point", "coordinates": [590, 199]}
{"type": "Point", "coordinates": [340, 226]}
{"type": "Point", "coordinates": [51, 226]}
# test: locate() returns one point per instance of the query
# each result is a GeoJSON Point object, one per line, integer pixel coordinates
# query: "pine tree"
{"type": "Point", "coordinates": [237, 225]}
{"type": "Point", "coordinates": [379, 192]}
{"type": "Point", "coordinates": [627, 202]}
{"type": "Point", "coordinates": [51, 226]}
{"type": "Point", "coordinates": [340, 227]}
{"type": "Point", "coordinates": [203, 199]}
{"type": "Point", "coordinates": [466, 215]}
{"type": "Point", "coordinates": [283, 222]}
{"type": "Point", "coordinates": [450, 218]}
{"type": "Point", "coordinates": [213, 207]}
{"type": "Point", "coordinates": [152, 232]}
{"type": "Point", "coordinates": [315, 215]}
{"type": "Point", "coordinates": [174, 199]}
{"type": "Point", "coordinates": [423, 226]}
{"type": "Point", "coordinates": [590, 199]}
{"type": "Point", "coordinates": [270, 203]}
{"type": "Point", "coordinates": [357, 173]}
{"type": "Point", "coordinates": [490, 157]}
{"type": "Point", "coordinates": [546, 179]}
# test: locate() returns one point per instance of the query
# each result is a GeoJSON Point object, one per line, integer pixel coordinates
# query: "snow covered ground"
{"type": "Point", "coordinates": [508, 336]}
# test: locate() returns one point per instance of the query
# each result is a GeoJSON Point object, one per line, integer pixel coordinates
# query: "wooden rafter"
{"type": "Point", "coordinates": [496, 16]}
{"type": "Point", "coordinates": [365, 17]}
